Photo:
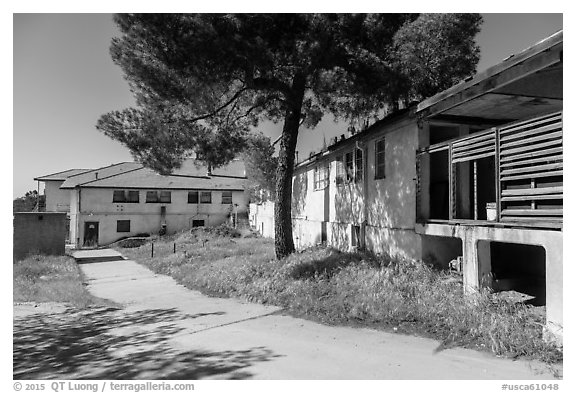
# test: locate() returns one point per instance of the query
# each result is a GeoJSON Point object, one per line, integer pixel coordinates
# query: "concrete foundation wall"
{"type": "Point", "coordinates": [394, 242]}
{"type": "Point", "coordinates": [440, 250]}
{"type": "Point", "coordinates": [39, 233]}
{"type": "Point", "coordinates": [340, 235]}
{"type": "Point", "coordinates": [476, 259]}
{"type": "Point", "coordinates": [306, 233]}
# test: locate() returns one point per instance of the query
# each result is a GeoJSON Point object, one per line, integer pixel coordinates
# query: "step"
{"type": "Point", "coordinates": [103, 255]}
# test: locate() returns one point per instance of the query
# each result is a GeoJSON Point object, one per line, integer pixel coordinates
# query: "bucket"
{"type": "Point", "coordinates": [491, 211]}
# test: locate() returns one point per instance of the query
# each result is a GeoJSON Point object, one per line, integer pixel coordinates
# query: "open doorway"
{"type": "Point", "coordinates": [475, 188]}
{"type": "Point", "coordinates": [439, 185]}
{"type": "Point", "coordinates": [90, 234]}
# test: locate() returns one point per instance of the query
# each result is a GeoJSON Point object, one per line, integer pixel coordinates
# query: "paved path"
{"type": "Point", "coordinates": [226, 338]}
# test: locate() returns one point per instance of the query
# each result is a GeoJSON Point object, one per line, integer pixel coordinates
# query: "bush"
{"type": "Point", "coordinates": [132, 242]}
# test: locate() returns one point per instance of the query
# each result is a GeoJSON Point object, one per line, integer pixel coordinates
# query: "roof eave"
{"type": "Point", "coordinates": [433, 105]}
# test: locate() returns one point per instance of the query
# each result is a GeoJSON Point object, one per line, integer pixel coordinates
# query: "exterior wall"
{"type": "Point", "coordinates": [379, 213]}
{"type": "Point", "coordinates": [39, 233]}
{"type": "Point", "coordinates": [476, 261]}
{"type": "Point", "coordinates": [96, 206]}
{"type": "Point", "coordinates": [262, 218]}
{"type": "Point", "coordinates": [310, 208]}
{"type": "Point", "coordinates": [391, 201]}
{"type": "Point", "coordinates": [57, 200]}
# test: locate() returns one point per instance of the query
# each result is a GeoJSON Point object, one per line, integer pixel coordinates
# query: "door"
{"type": "Point", "coordinates": [90, 234]}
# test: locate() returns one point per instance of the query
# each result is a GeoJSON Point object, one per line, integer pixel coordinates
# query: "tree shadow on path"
{"type": "Point", "coordinates": [107, 343]}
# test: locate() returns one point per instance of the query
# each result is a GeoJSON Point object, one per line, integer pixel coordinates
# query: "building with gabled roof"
{"type": "Point", "coordinates": [470, 178]}
{"type": "Point", "coordinates": [127, 199]}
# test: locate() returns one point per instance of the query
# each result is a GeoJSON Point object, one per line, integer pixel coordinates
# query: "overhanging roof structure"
{"type": "Point", "coordinates": [523, 85]}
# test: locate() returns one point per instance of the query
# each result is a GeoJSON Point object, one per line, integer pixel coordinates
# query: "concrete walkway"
{"type": "Point", "coordinates": [227, 338]}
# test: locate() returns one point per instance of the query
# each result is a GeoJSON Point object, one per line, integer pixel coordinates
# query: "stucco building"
{"type": "Point", "coordinates": [127, 199]}
{"type": "Point", "coordinates": [473, 174]}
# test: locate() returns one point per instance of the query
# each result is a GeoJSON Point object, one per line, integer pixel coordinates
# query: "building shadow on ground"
{"type": "Point", "coordinates": [108, 343]}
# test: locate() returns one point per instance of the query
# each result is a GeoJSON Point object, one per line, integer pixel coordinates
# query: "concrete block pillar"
{"type": "Point", "coordinates": [470, 264]}
{"type": "Point", "coordinates": [484, 264]}
{"type": "Point", "coordinates": [477, 263]}
{"type": "Point", "coordinates": [554, 285]}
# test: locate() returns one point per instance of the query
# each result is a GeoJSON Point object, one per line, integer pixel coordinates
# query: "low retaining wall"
{"type": "Point", "coordinates": [39, 233]}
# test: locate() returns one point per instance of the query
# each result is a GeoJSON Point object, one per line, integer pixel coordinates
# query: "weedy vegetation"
{"type": "Point", "coordinates": [43, 279]}
{"type": "Point", "coordinates": [357, 289]}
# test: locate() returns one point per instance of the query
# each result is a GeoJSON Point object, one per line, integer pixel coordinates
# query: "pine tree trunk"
{"type": "Point", "coordinates": [284, 242]}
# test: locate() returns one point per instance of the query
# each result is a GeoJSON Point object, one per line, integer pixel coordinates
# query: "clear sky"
{"type": "Point", "coordinates": [64, 79]}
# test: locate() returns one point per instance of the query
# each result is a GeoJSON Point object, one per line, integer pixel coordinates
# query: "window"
{"type": "Point", "coordinates": [349, 165]}
{"type": "Point", "coordinates": [205, 197]}
{"type": "Point", "coordinates": [359, 170]}
{"type": "Point", "coordinates": [197, 223]}
{"type": "Point", "coordinates": [133, 197]}
{"type": "Point", "coordinates": [380, 159]}
{"type": "Point", "coordinates": [123, 226]}
{"type": "Point", "coordinates": [165, 197]}
{"type": "Point", "coordinates": [152, 196]}
{"type": "Point", "coordinates": [351, 169]}
{"type": "Point", "coordinates": [321, 177]}
{"type": "Point", "coordinates": [119, 196]}
{"type": "Point", "coordinates": [192, 196]}
{"type": "Point", "coordinates": [340, 175]}
{"type": "Point", "coordinates": [226, 197]}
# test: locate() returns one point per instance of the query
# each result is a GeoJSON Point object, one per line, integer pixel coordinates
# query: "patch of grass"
{"type": "Point", "coordinates": [353, 288]}
{"type": "Point", "coordinates": [42, 278]}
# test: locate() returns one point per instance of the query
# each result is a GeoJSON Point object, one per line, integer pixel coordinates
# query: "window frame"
{"type": "Point", "coordinates": [340, 172]}
{"type": "Point", "coordinates": [165, 196]}
{"type": "Point", "coordinates": [192, 194]}
{"type": "Point", "coordinates": [321, 176]}
{"type": "Point", "coordinates": [349, 166]}
{"type": "Point", "coordinates": [203, 194]}
{"type": "Point", "coordinates": [195, 222]}
{"type": "Point", "coordinates": [380, 159]}
{"type": "Point", "coordinates": [156, 198]}
{"type": "Point", "coordinates": [122, 230]}
{"type": "Point", "coordinates": [116, 194]}
{"type": "Point", "coordinates": [132, 192]}
{"type": "Point", "coordinates": [358, 165]}
{"type": "Point", "coordinates": [227, 196]}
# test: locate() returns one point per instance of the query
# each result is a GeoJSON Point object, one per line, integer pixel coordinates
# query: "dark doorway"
{"type": "Point", "coordinates": [439, 185]}
{"type": "Point", "coordinates": [323, 233]}
{"type": "Point", "coordinates": [91, 234]}
{"type": "Point", "coordinates": [485, 186]}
